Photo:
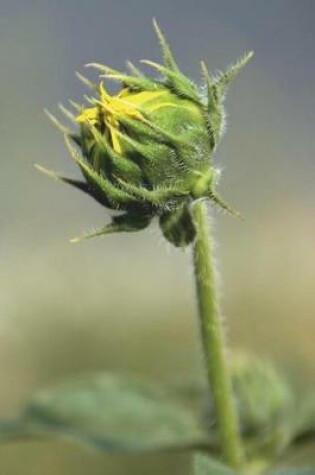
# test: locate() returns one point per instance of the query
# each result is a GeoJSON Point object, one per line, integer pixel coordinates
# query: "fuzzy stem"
{"type": "Point", "coordinates": [213, 341]}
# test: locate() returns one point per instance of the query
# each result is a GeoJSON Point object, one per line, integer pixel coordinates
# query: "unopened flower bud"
{"type": "Point", "coordinates": [147, 151]}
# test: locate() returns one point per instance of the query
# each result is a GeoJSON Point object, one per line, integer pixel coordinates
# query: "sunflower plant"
{"type": "Point", "coordinates": [145, 153]}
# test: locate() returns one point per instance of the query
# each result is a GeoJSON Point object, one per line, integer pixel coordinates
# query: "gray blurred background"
{"type": "Point", "coordinates": [127, 302]}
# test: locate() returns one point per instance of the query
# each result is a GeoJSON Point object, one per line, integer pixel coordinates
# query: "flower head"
{"type": "Point", "coordinates": [147, 151]}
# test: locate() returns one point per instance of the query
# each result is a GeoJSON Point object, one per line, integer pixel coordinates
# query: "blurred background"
{"type": "Point", "coordinates": [126, 303]}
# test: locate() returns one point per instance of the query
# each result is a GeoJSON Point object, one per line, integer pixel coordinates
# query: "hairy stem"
{"type": "Point", "coordinates": [213, 341]}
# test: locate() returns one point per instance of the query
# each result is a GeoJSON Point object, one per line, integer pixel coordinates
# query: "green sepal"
{"type": "Point", "coordinates": [67, 113]}
{"type": "Point", "coordinates": [178, 226]}
{"type": "Point", "coordinates": [152, 131]}
{"type": "Point", "coordinates": [80, 185]}
{"type": "Point", "coordinates": [127, 222]}
{"type": "Point", "coordinates": [78, 107]}
{"type": "Point", "coordinates": [126, 168]}
{"type": "Point", "coordinates": [99, 183]}
{"type": "Point", "coordinates": [134, 70]}
{"type": "Point", "coordinates": [166, 50]}
{"type": "Point", "coordinates": [176, 81]}
{"type": "Point", "coordinates": [224, 205]}
{"type": "Point", "coordinates": [157, 197]}
{"type": "Point", "coordinates": [214, 109]}
{"type": "Point", "coordinates": [87, 82]}
{"type": "Point", "coordinates": [57, 123]}
{"type": "Point", "coordinates": [224, 80]}
{"type": "Point", "coordinates": [147, 150]}
{"type": "Point", "coordinates": [134, 82]}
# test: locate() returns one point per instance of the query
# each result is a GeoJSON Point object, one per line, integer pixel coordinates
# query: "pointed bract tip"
{"type": "Point", "coordinates": [249, 54]}
{"type": "Point", "coordinates": [98, 66]}
{"type": "Point", "coordinates": [225, 79]}
{"type": "Point", "coordinates": [57, 123]}
{"type": "Point", "coordinates": [46, 171]}
{"type": "Point", "coordinates": [86, 81]}
{"type": "Point", "coordinates": [133, 69]}
{"type": "Point", "coordinates": [240, 63]}
{"type": "Point", "coordinates": [75, 105]}
{"type": "Point", "coordinates": [166, 51]}
{"type": "Point", "coordinates": [39, 167]}
{"type": "Point", "coordinates": [75, 240]}
{"type": "Point", "coordinates": [67, 113]}
{"type": "Point", "coordinates": [204, 66]}
{"type": "Point", "coordinates": [50, 115]}
{"type": "Point", "coordinates": [205, 71]}
{"type": "Point", "coordinates": [69, 145]}
{"type": "Point", "coordinates": [86, 237]}
{"type": "Point", "coordinates": [92, 65]}
{"type": "Point", "coordinates": [73, 153]}
{"type": "Point", "coordinates": [158, 30]}
{"type": "Point", "coordinates": [154, 65]}
{"type": "Point", "coordinates": [155, 25]}
{"type": "Point", "coordinates": [245, 59]}
{"type": "Point", "coordinates": [225, 206]}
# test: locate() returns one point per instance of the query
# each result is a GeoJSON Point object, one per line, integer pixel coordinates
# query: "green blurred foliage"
{"type": "Point", "coordinates": [128, 303]}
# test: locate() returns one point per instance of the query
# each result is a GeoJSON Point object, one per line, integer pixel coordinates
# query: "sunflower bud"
{"type": "Point", "coordinates": [147, 151]}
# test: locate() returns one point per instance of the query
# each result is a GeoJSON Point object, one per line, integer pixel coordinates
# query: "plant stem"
{"type": "Point", "coordinates": [213, 341]}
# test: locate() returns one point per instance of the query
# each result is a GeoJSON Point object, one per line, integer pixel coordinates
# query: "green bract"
{"type": "Point", "coordinates": [147, 151]}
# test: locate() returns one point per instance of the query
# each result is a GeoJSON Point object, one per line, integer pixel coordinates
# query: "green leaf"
{"type": "Point", "coordinates": [122, 223]}
{"type": "Point", "coordinates": [111, 413]}
{"type": "Point", "coordinates": [128, 414]}
{"type": "Point", "coordinates": [304, 426]}
{"type": "Point", "coordinates": [293, 471]}
{"type": "Point", "coordinates": [204, 465]}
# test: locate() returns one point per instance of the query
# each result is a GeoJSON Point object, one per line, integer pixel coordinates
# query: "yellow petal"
{"type": "Point", "coordinates": [88, 115]}
{"type": "Point", "coordinates": [143, 97]}
{"type": "Point", "coordinates": [115, 140]}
